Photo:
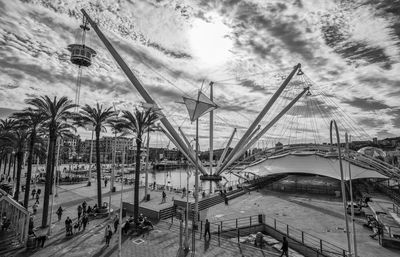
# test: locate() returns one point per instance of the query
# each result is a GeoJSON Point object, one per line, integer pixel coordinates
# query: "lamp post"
{"type": "Point", "coordinates": [90, 160]}
{"type": "Point", "coordinates": [351, 197]}
{"type": "Point", "coordinates": [121, 205]}
{"type": "Point", "coordinates": [333, 123]}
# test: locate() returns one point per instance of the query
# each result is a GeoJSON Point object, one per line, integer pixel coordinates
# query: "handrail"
{"type": "Point", "coordinates": [298, 235]}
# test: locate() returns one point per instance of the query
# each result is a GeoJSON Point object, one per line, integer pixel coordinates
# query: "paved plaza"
{"type": "Point", "coordinates": [319, 216]}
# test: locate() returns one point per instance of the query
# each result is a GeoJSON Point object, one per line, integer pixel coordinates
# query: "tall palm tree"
{"type": "Point", "coordinates": [64, 130]}
{"type": "Point", "coordinates": [15, 135]}
{"type": "Point", "coordinates": [98, 118]}
{"type": "Point", "coordinates": [55, 111]}
{"type": "Point", "coordinates": [137, 123]}
{"type": "Point", "coordinates": [32, 120]}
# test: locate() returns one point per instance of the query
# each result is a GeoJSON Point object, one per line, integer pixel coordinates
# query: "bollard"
{"type": "Point", "coordinates": [275, 224]}
{"type": "Point", "coordinates": [219, 234]}
{"type": "Point", "coordinates": [320, 245]}
{"type": "Point", "coordinates": [287, 230]}
{"type": "Point", "coordinates": [201, 228]}
{"type": "Point", "coordinates": [302, 237]}
{"type": "Point", "coordinates": [250, 221]}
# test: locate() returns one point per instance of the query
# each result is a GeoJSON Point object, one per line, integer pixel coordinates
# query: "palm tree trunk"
{"type": "Point", "coordinates": [14, 165]}
{"type": "Point", "coordinates": [5, 163]}
{"type": "Point", "coordinates": [47, 187]}
{"type": "Point", "coordinates": [137, 177]}
{"type": "Point", "coordinates": [98, 167]}
{"type": "Point", "coordinates": [9, 165]}
{"type": "Point", "coordinates": [52, 166]}
{"type": "Point", "coordinates": [20, 159]}
{"type": "Point", "coordinates": [29, 171]}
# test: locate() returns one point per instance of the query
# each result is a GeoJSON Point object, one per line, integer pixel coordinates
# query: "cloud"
{"type": "Point", "coordinates": [367, 104]}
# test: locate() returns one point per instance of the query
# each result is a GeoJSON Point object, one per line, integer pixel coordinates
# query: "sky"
{"type": "Point", "coordinates": [349, 52]}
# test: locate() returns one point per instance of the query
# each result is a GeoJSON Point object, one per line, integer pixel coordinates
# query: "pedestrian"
{"type": "Point", "coordinates": [108, 234]}
{"type": "Point", "coordinates": [33, 193]}
{"type": "Point", "coordinates": [203, 194]}
{"type": "Point", "coordinates": [259, 240]}
{"type": "Point", "coordinates": [79, 211]}
{"type": "Point", "coordinates": [207, 229]}
{"type": "Point", "coordinates": [184, 192]}
{"type": "Point", "coordinates": [68, 226]}
{"type": "Point", "coordinates": [59, 213]}
{"type": "Point", "coordinates": [84, 205]}
{"type": "Point", "coordinates": [41, 239]}
{"type": "Point", "coordinates": [154, 185]}
{"type": "Point", "coordinates": [85, 221]}
{"type": "Point", "coordinates": [105, 182]}
{"type": "Point", "coordinates": [164, 197]}
{"type": "Point", "coordinates": [34, 207]}
{"type": "Point", "coordinates": [37, 197]}
{"type": "Point", "coordinates": [285, 247]}
{"type": "Point", "coordinates": [226, 200]}
{"type": "Point", "coordinates": [116, 223]}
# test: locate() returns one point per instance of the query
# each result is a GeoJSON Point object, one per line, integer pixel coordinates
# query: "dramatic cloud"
{"type": "Point", "coordinates": [349, 51]}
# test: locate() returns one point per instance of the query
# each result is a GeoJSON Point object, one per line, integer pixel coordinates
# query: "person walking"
{"type": "Point", "coordinates": [116, 223]}
{"type": "Point", "coordinates": [164, 197]}
{"type": "Point", "coordinates": [285, 247]}
{"type": "Point", "coordinates": [105, 182]}
{"type": "Point", "coordinates": [207, 230]}
{"type": "Point", "coordinates": [59, 213]}
{"type": "Point", "coordinates": [33, 193]}
{"type": "Point", "coordinates": [79, 211]}
{"type": "Point", "coordinates": [37, 197]}
{"type": "Point", "coordinates": [85, 221]}
{"type": "Point", "coordinates": [34, 207]}
{"type": "Point", "coordinates": [84, 205]}
{"type": "Point", "coordinates": [108, 234]}
{"type": "Point", "coordinates": [68, 226]}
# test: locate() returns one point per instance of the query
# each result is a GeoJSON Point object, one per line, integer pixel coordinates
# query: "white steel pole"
{"type": "Point", "coordinates": [90, 159]}
{"type": "Point", "coordinates": [57, 166]}
{"type": "Point", "coordinates": [146, 179]}
{"type": "Point", "coordinates": [121, 205]}
{"type": "Point", "coordinates": [211, 136]}
{"type": "Point", "coordinates": [51, 208]}
{"type": "Point", "coordinates": [333, 123]}
{"type": "Point", "coordinates": [351, 198]}
{"type": "Point", "coordinates": [196, 191]}
{"type": "Point", "coordinates": [112, 188]}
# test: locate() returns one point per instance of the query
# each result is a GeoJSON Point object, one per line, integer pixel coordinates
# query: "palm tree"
{"type": "Point", "coordinates": [32, 120]}
{"type": "Point", "coordinates": [138, 122]}
{"type": "Point", "coordinates": [98, 118]}
{"type": "Point", "coordinates": [54, 112]}
{"type": "Point", "coordinates": [15, 135]}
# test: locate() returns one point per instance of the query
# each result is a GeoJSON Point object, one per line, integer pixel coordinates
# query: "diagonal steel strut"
{"type": "Point", "coordinates": [142, 91]}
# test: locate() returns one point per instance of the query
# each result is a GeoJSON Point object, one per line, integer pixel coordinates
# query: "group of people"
{"type": "Point", "coordinates": [142, 223]}
{"type": "Point", "coordinates": [83, 218]}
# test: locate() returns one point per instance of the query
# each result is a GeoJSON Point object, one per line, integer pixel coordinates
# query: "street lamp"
{"type": "Point", "coordinates": [333, 123]}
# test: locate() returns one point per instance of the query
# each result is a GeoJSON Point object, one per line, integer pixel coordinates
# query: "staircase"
{"type": "Point", "coordinates": [9, 242]}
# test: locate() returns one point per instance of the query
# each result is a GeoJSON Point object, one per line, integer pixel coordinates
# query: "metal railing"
{"type": "Point", "coordinates": [319, 245]}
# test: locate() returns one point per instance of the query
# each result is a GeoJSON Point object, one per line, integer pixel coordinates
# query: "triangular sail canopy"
{"type": "Point", "coordinates": [197, 108]}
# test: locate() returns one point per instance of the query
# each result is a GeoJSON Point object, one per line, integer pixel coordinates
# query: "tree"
{"type": "Point", "coordinates": [32, 120]}
{"type": "Point", "coordinates": [15, 135]}
{"type": "Point", "coordinates": [54, 111]}
{"type": "Point", "coordinates": [137, 123]}
{"type": "Point", "coordinates": [98, 118]}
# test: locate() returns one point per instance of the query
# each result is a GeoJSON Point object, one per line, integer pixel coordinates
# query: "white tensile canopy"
{"type": "Point", "coordinates": [311, 164]}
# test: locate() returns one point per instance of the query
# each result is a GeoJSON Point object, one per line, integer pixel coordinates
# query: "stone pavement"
{"type": "Point", "coordinates": [163, 241]}
{"type": "Point", "coordinates": [318, 215]}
